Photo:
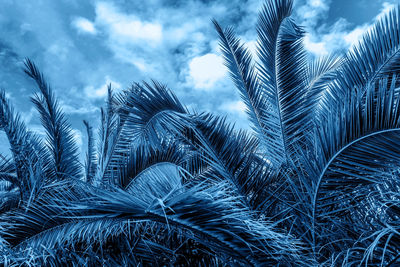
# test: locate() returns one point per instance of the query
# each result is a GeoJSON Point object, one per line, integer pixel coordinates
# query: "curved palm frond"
{"type": "Point", "coordinates": [282, 69]}
{"type": "Point", "coordinates": [358, 147]}
{"type": "Point", "coordinates": [322, 75]}
{"type": "Point", "coordinates": [204, 213]}
{"type": "Point", "coordinates": [27, 151]}
{"type": "Point", "coordinates": [230, 156]}
{"type": "Point", "coordinates": [214, 214]}
{"type": "Point", "coordinates": [238, 59]}
{"type": "Point", "coordinates": [375, 56]}
{"type": "Point", "coordinates": [60, 139]}
{"type": "Point", "coordinates": [108, 135]}
{"type": "Point", "coordinates": [144, 114]}
{"type": "Point", "coordinates": [8, 172]}
{"type": "Point", "coordinates": [379, 246]}
{"type": "Point", "coordinates": [145, 158]}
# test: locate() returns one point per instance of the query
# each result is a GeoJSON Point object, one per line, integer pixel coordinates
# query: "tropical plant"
{"type": "Point", "coordinates": [315, 182]}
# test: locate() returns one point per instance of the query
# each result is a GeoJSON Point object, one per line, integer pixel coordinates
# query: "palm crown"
{"type": "Point", "coordinates": [314, 182]}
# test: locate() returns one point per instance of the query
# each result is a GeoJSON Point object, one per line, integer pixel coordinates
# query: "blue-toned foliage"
{"type": "Point", "coordinates": [315, 182]}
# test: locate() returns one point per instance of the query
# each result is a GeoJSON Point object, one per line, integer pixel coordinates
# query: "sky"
{"type": "Point", "coordinates": [81, 46]}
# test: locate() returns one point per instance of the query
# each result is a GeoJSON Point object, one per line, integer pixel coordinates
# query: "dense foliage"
{"type": "Point", "coordinates": [316, 181]}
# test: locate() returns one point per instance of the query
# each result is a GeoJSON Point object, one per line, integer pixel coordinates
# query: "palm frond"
{"type": "Point", "coordinates": [8, 172]}
{"type": "Point", "coordinates": [315, 183]}
{"type": "Point", "coordinates": [107, 137]}
{"type": "Point", "coordinates": [26, 148]}
{"type": "Point", "coordinates": [281, 70]}
{"type": "Point", "coordinates": [380, 245]}
{"type": "Point", "coordinates": [60, 139]}
{"type": "Point", "coordinates": [238, 59]}
{"type": "Point", "coordinates": [322, 74]}
{"type": "Point", "coordinates": [149, 110]}
{"type": "Point", "coordinates": [144, 115]}
{"type": "Point", "coordinates": [231, 157]}
{"type": "Point", "coordinates": [147, 157]}
{"type": "Point", "coordinates": [91, 162]}
{"type": "Point", "coordinates": [9, 199]}
{"type": "Point", "coordinates": [376, 56]}
{"type": "Point", "coordinates": [250, 247]}
{"type": "Point", "coordinates": [359, 147]}
{"type": "Point", "coordinates": [204, 213]}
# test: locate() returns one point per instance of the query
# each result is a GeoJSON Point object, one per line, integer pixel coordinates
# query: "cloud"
{"type": "Point", "coordinates": [124, 28]}
{"type": "Point", "coordinates": [312, 11]}
{"type": "Point", "coordinates": [206, 70]}
{"type": "Point", "coordinates": [131, 39]}
{"type": "Point", "coordinates": [68, 109]}
{"type": "Point", "coordinates": [84, 25]}
{"type": "Point", "coordinates": [236, 107]}
{"type": "Point", "coordinates": [386, 7]}
{"type": "Point", "coordinates": [236, 111]}
{"type": "Point", "coordinates": [61, 49]}
{"type": "Point", "coordinates": [317, 48]}
{"type": "Point", "coordinates": [355, 35]}
{"type": "Point", "coordinates": [101, 91]}
{"type": "Point", "coordinates": [338, 37]}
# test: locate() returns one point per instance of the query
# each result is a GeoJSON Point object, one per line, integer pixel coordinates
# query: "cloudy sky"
{"type": "Point", "coordinates": [81, 46]}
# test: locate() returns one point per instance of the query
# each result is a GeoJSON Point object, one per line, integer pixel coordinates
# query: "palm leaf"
{"type": "Point", "coordinates": [26, 148]}
{"type": "Point", "coordinates": [359, 147]}
{"type": "Point", "coordinates": [231, 156]}
{"type": "Point", "coordinates": [144, 115]}
{"type": "Point", "coordinates": [204, 213]}
{"type": "Point", "coordinates": [91, 163]}
{"type": "Point", "coordinates": [60, 139]}
{"type": "Point", "coordinates": [321, 77]}
{"type": "Point", "coordinates": [374, 57]}
{"type": "Point", "coordinates": [238, 59]}
{"type": "Point", "coordinates": [281, 70]}
{"type": "Point", "coordinates": [145, 158]}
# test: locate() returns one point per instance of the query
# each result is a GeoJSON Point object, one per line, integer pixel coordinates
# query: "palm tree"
{"type": "Point", "coordinates": [314, 182]}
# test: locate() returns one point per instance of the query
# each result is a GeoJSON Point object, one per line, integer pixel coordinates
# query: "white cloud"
{"type": "Point", "coordinates": [234, 107]}
{"type": "Point", "coordinates": [84, 25]}
{"type": "Point", "coordinates": [206, 70]}
{"type": "Point", "coordinates": [186, 31]}
{"type": "Point", "coordinates": [124, 28]}
{"type": "Point", "coordinates": [131, 39]}
{"type": "Point", "coordinates": [317, 48]}
{"type": "Point", "coordinates": [68, 109]}
{"type": "Point", "coordinates": [318, 4]}
{"type": "Point", "coordinates": [340, 36]}
{"type": "Point", "coordinates": [61, 49]}
{"type": "Point", "coordinates": [312, 12]}
{"type": "Point", "coordinates": [330, 42]}
{"type": "Point", "coordinates": [101, 91]}
{"type": "Point", "coordinates": [355, 35]}
{"type": "Point", "coordinates": [236, 110]}
{"type": "Point", "coordinates": [386, 7]}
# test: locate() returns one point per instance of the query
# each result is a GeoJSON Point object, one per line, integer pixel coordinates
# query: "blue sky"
{"type": "Point", "coordinates": [81, 46]}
